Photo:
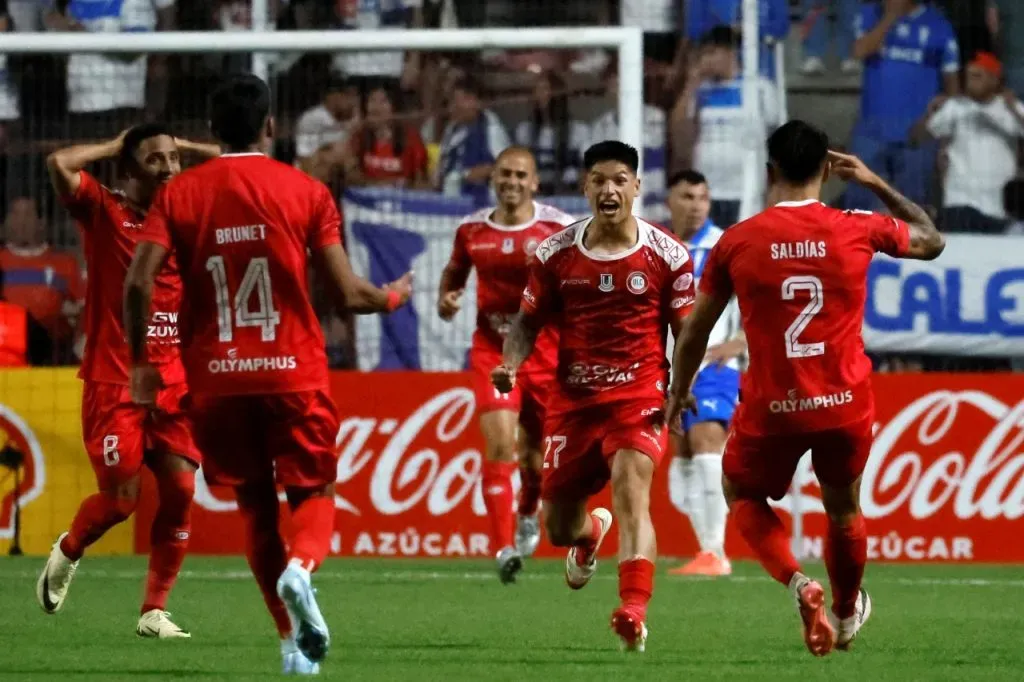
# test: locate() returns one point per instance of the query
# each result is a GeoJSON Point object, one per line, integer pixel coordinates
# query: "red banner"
{"type": "Point", "coordinates": [945, 481]}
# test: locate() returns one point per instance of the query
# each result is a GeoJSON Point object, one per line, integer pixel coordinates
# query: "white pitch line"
{"type": "Point", "coordinates": [361, 575]}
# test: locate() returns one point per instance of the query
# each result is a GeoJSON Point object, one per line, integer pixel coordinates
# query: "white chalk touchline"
{"type": "Point", "coordinates": [362, 575]}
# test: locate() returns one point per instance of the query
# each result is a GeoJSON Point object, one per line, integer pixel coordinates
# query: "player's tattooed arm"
{"type": "Point", "coordinates": [65, 164]}
{"type": "Point", "coordinates": [519, 342]}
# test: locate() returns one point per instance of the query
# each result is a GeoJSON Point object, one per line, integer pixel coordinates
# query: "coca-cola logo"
{"type": "Point", "coordinates": [955, 450]}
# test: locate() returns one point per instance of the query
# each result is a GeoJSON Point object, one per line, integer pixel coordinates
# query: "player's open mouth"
{"type": "Point", "coordinates": [608, 206]}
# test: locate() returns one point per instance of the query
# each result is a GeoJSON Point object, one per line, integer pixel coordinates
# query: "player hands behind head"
{"type": "Point", "coordinates": [117, 433]}
{"type": "Point", "coordinates": [611, 284]}
{"type": "Point", "coordinates": [243, 226]}
{"type": "Point", "coordinates": [499, 242]}
{"type": "Point", "coordinates": [695, 476]}
{"type": "Point", "coordinates": [799, 272]}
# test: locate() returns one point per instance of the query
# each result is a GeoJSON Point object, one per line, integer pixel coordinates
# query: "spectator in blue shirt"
{"type": "Point", "coordinates": [704, 15]}
{"type": "Point", "coordinates": [471, 142]}
{"type": "Point", "coordinates": [910, 56]}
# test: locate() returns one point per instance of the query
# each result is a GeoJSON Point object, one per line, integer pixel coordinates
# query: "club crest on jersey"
{"type": "Point", "coordinates": [636, 283]}
{"type": "Point", "coordinates": [508, 246]}
{"type": "Point", "coordinates": [606, 284]}
{"type": "Point", "coordinates": [531, 247]}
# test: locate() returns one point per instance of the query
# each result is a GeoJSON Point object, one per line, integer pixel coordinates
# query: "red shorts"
{"type": "Point", "coordinates": [763, 466]}
{"type": "Point", "coordinates": [254, 437]}
{"type": "Point", "coordinates": [527, 398]}
{"type": "Point", "coordinates": [578, 445]}
{"type": "Point", "coordinates": [117, 432]}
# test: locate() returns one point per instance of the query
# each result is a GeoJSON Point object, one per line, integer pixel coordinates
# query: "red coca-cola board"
{"type": "Point", "coordinates": [945, 481]}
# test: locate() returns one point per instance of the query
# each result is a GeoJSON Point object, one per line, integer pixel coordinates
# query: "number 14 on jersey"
{"type": "Point", "coordinates": [255, 281]}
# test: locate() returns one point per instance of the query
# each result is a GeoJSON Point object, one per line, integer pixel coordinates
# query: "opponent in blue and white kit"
{"type": "Point", "coordinates": [695, 476]}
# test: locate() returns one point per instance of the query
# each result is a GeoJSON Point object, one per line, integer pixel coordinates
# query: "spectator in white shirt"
{"type": "Point", "coordinates": [322, 131]}
{"type": "Point", "coordinates": [556, 140]}
{"type": "Point", "coordinates": [712, 129]}
{"type": "Point", "coordinates": [981, 130]}
{"type": "Point", "coordinates": [8, 88]}
{"type": "Point", "coordinates": [107, 93]}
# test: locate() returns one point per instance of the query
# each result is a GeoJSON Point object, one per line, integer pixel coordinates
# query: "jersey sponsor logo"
{"type": "Point", "coordinates": [636, 283]}
{"type": "Point", "coordinates": [163, 328]}
{"type": "Point", "coordinates": [818, 402]}
{"type": "Point", "coordinates": [129, 225]}
{"type": "Point", "coordinates": [582, 374]}
{"type": "Point", "coordinates": [678, 303]}
{"type": "Point", "coordinates": [259, 364]}
{"type": "Point", "coordinates": [683, 282]}
{"type": "Point", "coordinates": [912, 55]}
{"type": "Point", "coordinates": [804, 249]}
{"type": "Point", "coordinates": [607, 283]}
{"type": "Point", "coordinates": [482, 247]}
{"type": "Point", "coordinates": [529, 296]}
{"type": "Point", "coordinates": [575, 282]}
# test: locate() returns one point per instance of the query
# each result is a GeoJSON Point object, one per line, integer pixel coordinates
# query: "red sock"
{"type": "Point", "coordinates": [264, 549]}
{"type": "Point", "coordinates": [95, 516]}
{"type": "Point", "coordinates": [846, 552]}
{"type": "Point", "coordinates": [529, 491]}
{"type": "Point", "coordinates": [168, 536]}
{"type": "Point", "coordinates": [313, 523]}
{"type": "Point", "coordinates": [764, 532]}
{"type": "Point", "coordinates": [587, 543]}
{"type": "Point", "coordinates": [636, 583]}
{"type": "Point", "coordinates": [498, 499]}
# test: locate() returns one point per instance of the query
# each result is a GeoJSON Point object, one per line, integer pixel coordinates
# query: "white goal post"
{"type": "Point", "coordinates": [627, 42]}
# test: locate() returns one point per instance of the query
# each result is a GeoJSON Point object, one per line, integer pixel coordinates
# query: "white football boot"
{"type": "Point", "coordinates": [577, 576]}
{"type": "Point", "coordinates": [527, 533]}
{"type": "Point", "coordinates": [510, 562]}
{"type": "Point", "coordinates": [157, 624]}
{"type": "Point", "coordinates": [293, 662]}
{"type": "Point", "coordinates": [848, 628]}
{"type": "Point", "coordinates": [311, 635]}
{"type": "Point", "coordinates": [54, 581]}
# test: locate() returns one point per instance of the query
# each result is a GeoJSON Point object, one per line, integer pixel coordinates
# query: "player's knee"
{"type": "Point", "coordinates": [631, 480]}
{"type": "Point", "coordinates": [176, 491]}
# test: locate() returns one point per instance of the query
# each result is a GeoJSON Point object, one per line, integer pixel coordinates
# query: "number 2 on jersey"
{"type": "Point", "coordinates": [812, 285]}
{"type": "Point", "coordinates": [256, 280]}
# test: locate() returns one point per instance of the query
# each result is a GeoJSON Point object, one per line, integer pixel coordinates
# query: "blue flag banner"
{"type": "Point", "coordinates": [969, 301]}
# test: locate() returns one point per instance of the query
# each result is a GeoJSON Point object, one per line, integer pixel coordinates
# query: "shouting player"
{"type": "Point", "coordinates": [612, 284]}
{"type": "Point", "coordinates": [799, 271]}
{"type": "Point", "coordinates": [242, 227]}
{"type": "Point", "coordinates": [695, 479]}
{"type": "Point", "coordinates": [120, 436]}
{"type": "Point", "coordinates": [498, 242]}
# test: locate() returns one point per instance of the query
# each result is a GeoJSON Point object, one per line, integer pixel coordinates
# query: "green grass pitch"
{"type": "Point", "coordinates": [421, 621]}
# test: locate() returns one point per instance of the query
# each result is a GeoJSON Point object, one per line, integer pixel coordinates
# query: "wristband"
{"type": "Point", "coordinates": [394, 301]}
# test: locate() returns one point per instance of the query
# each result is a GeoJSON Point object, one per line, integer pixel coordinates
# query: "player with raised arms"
{"type": "Point", "coordinates": [498, 242]}
{"type": "Point", "coordinates": [799, 271]}
{"type": "Point", "coordinates": [695, 479]}
{"type": "Point", "coordinates": [120, 437]}
{"type": "Point", "coordinates": [612, 284]}
{"type": "Point", "coordinates": [244, 228]}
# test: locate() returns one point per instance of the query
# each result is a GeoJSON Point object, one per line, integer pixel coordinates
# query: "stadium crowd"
{"type": "Point", "coordinates": [945, 129]}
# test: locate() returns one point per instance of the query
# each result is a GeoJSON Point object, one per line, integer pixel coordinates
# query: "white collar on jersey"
{"type": "Point", "coordinates": [797, 204]}
{"type": "Point", "coordinates": [512, 228]}
{"type": "Point", "coordinates": [236, 154]}
{"type": "Point", "coordinates": [641, 234]}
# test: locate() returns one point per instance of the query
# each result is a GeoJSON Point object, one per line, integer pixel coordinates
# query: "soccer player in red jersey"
{"type": "Point", "coordinates": [120, 436]}
{"type": "Point", "coordinates": [799, 272]}
{"type": "Point", "coordinates": [498, 242]}
{"type": "Point", "coordinates": [612, 284]}
{"type": "Point", "coordinates": [244, 227]}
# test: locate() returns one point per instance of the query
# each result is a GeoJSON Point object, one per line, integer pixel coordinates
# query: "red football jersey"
{"type": "Point", "coordinates": [380, 161]}
{"type": "Point", "coordinates": [799, 272]}
{"type": "Point", "coordinates": [110, 229]}
{"type": "Point", "coordinates": [501, 254]}
{"type": "Point", "coordinates": [612, 312]}
{"type": "Point", "coordinates": [243, 226]}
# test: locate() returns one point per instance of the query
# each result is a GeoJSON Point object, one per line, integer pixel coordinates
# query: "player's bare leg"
{"type": "Point", "coordinates": [312, 511]}
{"type": "Point", "coordinates": [499, 429]}
{"type": "Point", "coordinates": [846, 553]}
{"type": "Point", "coordinates": [531, 461]}
{"type": "Point", "coordinates": [764, 532]}
{"type": "Point", "coordinates": [169, 534]}
{"type": "Point", "coordinates": [97, 514]}
{"type": "Point", "coordinates": [265, 551]}
{"type": "Point", "coordinates": [632, 472]}
{"type": "Point", "coordinates": [702, 479]}
{"type": "Point", "coordinates": [569, 524]}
